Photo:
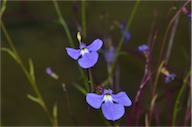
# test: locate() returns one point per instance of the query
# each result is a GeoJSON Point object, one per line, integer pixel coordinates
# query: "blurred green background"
{"type": "Point", "coordinates": [36, 34]}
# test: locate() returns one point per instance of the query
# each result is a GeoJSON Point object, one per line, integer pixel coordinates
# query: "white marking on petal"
{"type": "Point", "coordinates": [84, 50]}
{"type": "Point", "coordinates": [108, 98]}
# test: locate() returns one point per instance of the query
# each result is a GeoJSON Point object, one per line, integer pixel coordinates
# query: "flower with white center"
{"type": "Point", "coordinates": [112, 105]}
{"type": "Point", "coordinates": [87, 55]}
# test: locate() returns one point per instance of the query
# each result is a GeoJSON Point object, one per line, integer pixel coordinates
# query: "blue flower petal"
{"type": "Point", "coordinates": [121, 98]}
{"type": "Point", "coordinates": [112, 111]}
{"type": "Point", "coordinates": [94, 100]}
{"type": "Point", "coordinates": [143, 48]}
{"type": "Point", "coordinates": [109, 54]}
{"type": "Point", "coordinates": [169, 78]}
{"type": "Point", "coordinates": [73, 53]}
{"type": "Point", "coordinates": [107, 91]}
{"type": "Point", "coordinates": [88, 60]}
{"type": "Point", "coordinates": [49, 71]}
{"type": "Point", "coordinates": [127, 36]}
{"type": "Point", "coordinates": [95, 45]}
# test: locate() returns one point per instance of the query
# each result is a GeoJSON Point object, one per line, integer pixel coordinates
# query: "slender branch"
{"type": "Point", "coordinates": [121, 42]}
{"type": "Point", "coordinates": [27, 74]}
{"type": "Point", "coordinates": [62, 21]}
{"type": "Point", "coordinates": [171, 40]}
{"type": "Point", "coordinates": [167, 30]}
{"type": "Point", "coordinates": [177, 102]}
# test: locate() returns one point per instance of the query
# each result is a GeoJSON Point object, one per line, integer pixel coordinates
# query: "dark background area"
{"type": "Point", "coordinates": [36, 34]}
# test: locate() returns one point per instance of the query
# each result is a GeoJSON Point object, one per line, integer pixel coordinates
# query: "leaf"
{"type": "Point", "coordinates": [3, 7]}
{"type": "Point", "coordinates": [31, 69]}
{"type": "Point", "coordinates": [34, 99]}
{"type": "Point", "coordinates": [80, 88]}
{"type": "Point", "coordinates": [55, 114]}
{"type": "Point", "coordinates": [153, 101]}
{"type": "Point", "coordinates": [55, 110]}
{"type": "Point", "coordinates": [11, 53]}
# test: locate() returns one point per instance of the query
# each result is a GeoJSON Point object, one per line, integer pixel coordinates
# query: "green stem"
{"type": "Point", "coordinates": [157, 77]}
{"type": "Point", "coordinates": [121, 42]}
{"type": "Point", "coordinates": [27, 74]}
{"type": "Point", "coordinates": [176, 109]}
{"type": "Point", "coordinates": [90, 80]}
{"type": "Point", "coordinates": [154, 91]}
{"type": "Point", "coordinates": [83, 15]}
{"type": "Point", "coordinates": [63, 23]}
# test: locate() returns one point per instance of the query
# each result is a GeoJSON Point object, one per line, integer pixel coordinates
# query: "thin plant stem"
{"type": "Point", "coordinates": [27, 74]}
{"type": "Point", "coordinates": [154, 90]}
{"type": "Point", "coordinates": [187, 116]}
{"type": "Point", "coordinates": [171, 39]}
{"type": "Point", "coordinates": [170, 45]}
{"type": "Point", "coordinates": [110, 78]}
{"type": "Point", "coordinates": [168, 27]}
{"type": "Point", "coordinates": [121, 42]}
{"type": "Point", "coordinates": [117, 78]}
{"type": "Point", "coordinates": [177, 102]}
{"type": "Point", "coordinates": [83, 18]}
{"type": "Point", "coordinates": [90, 90]}
{"type": "Point", "coordinates": [3, 8]}
{"type": "Point", "coordinates": [90, 80]}
{"type": "Point", "coordinates": [145, 79]}
{"type": "Point", "coordinates": [63, 23]}
{"type": "Point", "coordinates": [157, 77]}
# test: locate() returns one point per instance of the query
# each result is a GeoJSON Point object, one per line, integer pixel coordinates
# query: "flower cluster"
{"type": "Point", "coordinates": [112, 105]}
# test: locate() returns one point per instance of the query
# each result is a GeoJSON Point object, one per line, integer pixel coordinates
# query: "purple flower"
{"type": "Point", "coordinates": [189, 14]}
{"type": "Point", "coordinates": [143, 48]}
{"type": "Point", "coordinates": [87, 56]}
{"type": "Point", "coordinates": [169, 78]}
{"type": "Point", "coordinates": [51, 73]}
{"type": "Point", "coordinates": [127, 34]}
{"type": "Point", "coordinates": [112, 105]}
{"type": "Point", "coordinates": [109, 54]}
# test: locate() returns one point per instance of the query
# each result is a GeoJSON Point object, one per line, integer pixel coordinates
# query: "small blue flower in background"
{"type": "Point", "coordinates": [143, 48]}
{"type": "Point", "coordinates": [189, 15]}
{"type": "Point", "coordinates": [126, 33]}
{"type": "Point", "coordinates": [112, 105]}
{"type": "Point", "coordinates": [109, 54]}
{"type": "Point", "coordinates": [168, 76]}
{"type": "Point", "coordinates": [51, 73]}
{"type": "Point", "coordinates": [87, 55]}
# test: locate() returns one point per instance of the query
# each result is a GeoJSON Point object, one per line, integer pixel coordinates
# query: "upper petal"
{"type": "Point", "coordinates": [94, 100]}
{"type": "Point", "coordinates": [112, 111]}
{"type": "Point", "coordinates": [121, 98]}
{"type": "Point", "coordinates": [88, 60]}
{"type": "Point", "coordinates": [95, 45]}
{"type": "Point", "coordinates": [73, 53]}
